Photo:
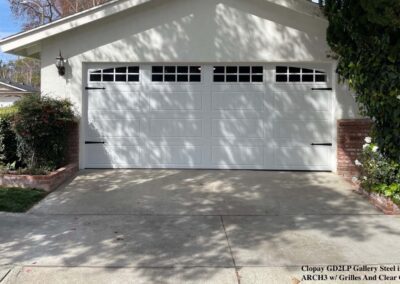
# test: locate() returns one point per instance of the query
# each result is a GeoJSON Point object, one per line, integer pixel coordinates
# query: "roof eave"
{"type": "Point", "coordinates": [16, 43]}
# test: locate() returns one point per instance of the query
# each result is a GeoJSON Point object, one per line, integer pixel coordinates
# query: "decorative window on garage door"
{"type": "Point", "coordinates": [286, 74]}
{"type": "Point", "coordinates": [176, 73]}
{"type": "Point", "coordinates": [118, 74]}
{"type": "Point", "coordinates": [241, 74]}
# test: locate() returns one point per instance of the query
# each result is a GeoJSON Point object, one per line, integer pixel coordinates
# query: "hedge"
{"type": "Point", "coordinates": [33, 133]}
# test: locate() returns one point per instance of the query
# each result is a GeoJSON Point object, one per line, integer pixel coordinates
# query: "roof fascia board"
{"type": "Point", "coordinates": [67, 23]}
{"type": "Point", "coordinates": [13, 87]}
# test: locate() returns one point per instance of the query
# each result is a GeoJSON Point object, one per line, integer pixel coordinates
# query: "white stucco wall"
{"type": "Point", "coordinates": [190, 31]}
{"type": "Point", "coordinates": [203, 31]}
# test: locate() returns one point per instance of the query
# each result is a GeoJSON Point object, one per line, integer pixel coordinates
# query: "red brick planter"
{"type": "Point", "coordinates": [386, 205]}
{"type": "Point", "coordinates": [351, 135]}
{"type": "Point", "coordinates": [46, 182]}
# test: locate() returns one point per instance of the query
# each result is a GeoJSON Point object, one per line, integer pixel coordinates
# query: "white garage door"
{"type": "Point", "coordinates": [209, 116]}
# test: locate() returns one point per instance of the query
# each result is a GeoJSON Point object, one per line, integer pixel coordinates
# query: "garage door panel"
{"type": "Point", "coordinates": [173, 155]}
{"type": "Point", "coordinates": [175, 101]}
{"type": "Point", "coordinates": [114, 128]}
{"type": "Point", "coordinates": [249, 128]}
{"type": "Point", "coordinates": [237, 101]}
{"type": "Point", "coordinates": [171, 141]}
{"type": "Point", "coordinates": [100, 155]}
{"type": "Point", "coordinates": [237, 141]}
{"type": "Point", "coordinates": [297, 157]}
{"type": "Point", "coordinates": [94, 116]}
{"type": "Point", "coordinates": [314, 131]}
{"type": "Point", "coordinates": [237, 114]}
{"type": "Point", "coordinates": [288, 102]}
{"type": "Point", "coordinates": [115, 101]}
{"type": "Point", "coordinates": [305, 116]}
{"type": "Point", "coordinates": [176, 128]}
{"type": "Point", "coordinates": [120, 141]}
{"type": "Point", "coordinates": [207, 124]}
{"type": "Point", "coordinates": [238, 155]}
{"type": "Point", "coordinates": [170, 88]}
{"type": "Point", "coordinates": [238, 87]}
{"type": "Point", "coordinates": [116, 87]}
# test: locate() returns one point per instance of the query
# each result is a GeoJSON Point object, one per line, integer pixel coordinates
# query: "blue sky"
{"type": "Point", "coordinates": [8, 25]}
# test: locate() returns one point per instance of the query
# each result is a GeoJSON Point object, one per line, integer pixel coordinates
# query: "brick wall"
{"type": "Point", "coordinates": [54, 179]}
{"type": "Point", "coordinates": [46, 182]}
{"type": "Point", "coordinates": [73, 143]}
{"type": "Point", "coordinates": [351, 134]}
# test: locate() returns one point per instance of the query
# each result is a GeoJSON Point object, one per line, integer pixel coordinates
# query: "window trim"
{"type": "Point", "coordinates": [251, 74]}
{"type": "Point", "coordinates": [176, 74]}
{"type": "Point", "coordinates": [101, 73]}
{"type": "Point", "coordinates": [315, 72]}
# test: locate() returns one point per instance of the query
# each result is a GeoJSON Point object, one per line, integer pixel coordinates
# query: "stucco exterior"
{"type": "Point", "coordinates": [207, 31]}
{"type": "Point", "coordinates": [190, 31]}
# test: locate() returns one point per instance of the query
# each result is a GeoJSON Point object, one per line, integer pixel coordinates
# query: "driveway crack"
{"type": "Point", "coordinates": [5, 275]}
{"type": "Point", "coordinates": [230, 250]}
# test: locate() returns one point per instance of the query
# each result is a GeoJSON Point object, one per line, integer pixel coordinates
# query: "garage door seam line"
{"type": "Point", "coordinates": [230, 250]}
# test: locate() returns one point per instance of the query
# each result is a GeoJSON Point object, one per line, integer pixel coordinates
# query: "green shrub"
{"type": "Point", "coordinates": [379, 173]}
{"type": "Point", "coordinates": [40, 125]}
{"type": "Point", "coordinates": [8, 140]}
{"type": "Point", "coordinates": [364, 38]}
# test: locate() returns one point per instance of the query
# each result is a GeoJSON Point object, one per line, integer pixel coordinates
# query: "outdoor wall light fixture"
{"type": "Point", "coordinates": [60, 64]}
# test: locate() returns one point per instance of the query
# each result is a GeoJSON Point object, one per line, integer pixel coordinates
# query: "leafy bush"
{"type": "Point", "coordinates": [8, 140]}
{"type": "Point", "coordinates": [364, 36]}
{"type": "Point", "coordinates": [379, 173]}
{"type": "Point", "coordinates": [40, 124]}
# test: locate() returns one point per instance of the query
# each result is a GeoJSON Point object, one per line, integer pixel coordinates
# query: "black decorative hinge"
{"type": "Point", "coordinates": [95, 88]}
{"type": "Point", "coordinates": [321, 89]}
{"type": "Point", "coordinates": [95, 142]}
{"type": "Point", "coordinates": [322, 144]}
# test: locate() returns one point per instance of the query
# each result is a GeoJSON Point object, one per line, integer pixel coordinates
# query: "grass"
{"type": "Point", "coordinates": [19, 199]}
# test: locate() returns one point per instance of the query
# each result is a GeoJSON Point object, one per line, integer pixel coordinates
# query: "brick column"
{"type": "Point", "coordinates": [350, 139]}
{"type": "Point", "coordinates": [73, 143]}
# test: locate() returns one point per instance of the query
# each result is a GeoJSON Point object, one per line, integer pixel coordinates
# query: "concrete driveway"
{"type": "Point", "coordinates": [173, 226]}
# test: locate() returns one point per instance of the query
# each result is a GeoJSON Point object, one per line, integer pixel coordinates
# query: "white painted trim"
{"type": "Point", "coordinates": [335, 85]}
{"type": "Point", "coordinates": [14, 87]}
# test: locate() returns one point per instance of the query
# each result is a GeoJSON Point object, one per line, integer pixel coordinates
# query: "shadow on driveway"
{"type": "Point", "coordinates": [195, 225]}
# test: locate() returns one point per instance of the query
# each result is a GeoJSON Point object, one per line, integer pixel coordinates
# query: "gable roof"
{"type": "Point", "coordinates": [27, 43]}
{"type": "Point", "coordinates": [22, 88]}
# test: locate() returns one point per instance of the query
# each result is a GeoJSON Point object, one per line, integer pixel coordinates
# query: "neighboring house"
{"type": "Point", "coordinates": [11, 92]}
{"type": "Point", "coordinates": [220, 84]}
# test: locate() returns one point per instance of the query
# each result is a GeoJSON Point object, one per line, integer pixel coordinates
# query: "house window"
{"type": "Point", "coordinates": [118, 74]}
{"type": "Point", "coordinates": [176, 73]}
{"type": "Point", "coordinates": [241, 74]}
{"type": "Point", "coordinates": [286, 74]}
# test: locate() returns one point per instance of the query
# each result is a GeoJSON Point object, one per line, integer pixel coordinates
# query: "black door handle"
{"type": "Point", "coordinates": [321, 144]}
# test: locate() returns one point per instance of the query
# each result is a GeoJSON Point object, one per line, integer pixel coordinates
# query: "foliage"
{"type": "Point", "coordinates": [378, 173]}
{"type": "Point", "coordinates": [36, 12]}
{"type": "Point", "coordinates": [23, 71]}
{"type": "Point", "coordinates": [8, 140]}
{"type": "Point", "coordinates": [40, 125]}
{"type": "Point", "coordinates": [365, 38]}
{"type": "Point", "coordinates": [19, 199]}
